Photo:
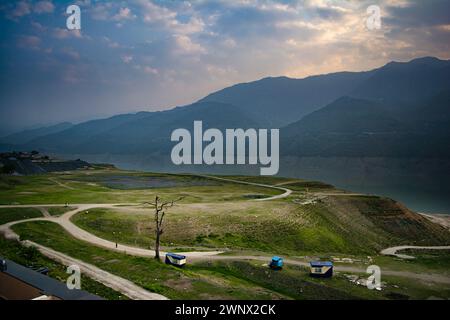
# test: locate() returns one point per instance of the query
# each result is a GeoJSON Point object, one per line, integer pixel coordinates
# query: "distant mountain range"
{"type": "Point", "coordinates": [398, 110]}
{"type": "Point", "coordinates": [25, 136]}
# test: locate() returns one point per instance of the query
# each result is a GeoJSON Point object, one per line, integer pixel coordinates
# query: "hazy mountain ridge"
{"type": "Point", "coordinates": [343, 114]}
{"type": "Point", "coordinates": [276, 102]}
{"type": "Point", "coordinates": [25, 136]}
{"type": "Point", "coordinates": [141, 133]}
{"type": "Point", "coordinates": [357, 128]}
{"type": "Point", "coordinates": [418, 79]}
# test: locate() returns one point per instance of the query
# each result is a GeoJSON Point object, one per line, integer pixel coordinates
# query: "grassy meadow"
{"type": "Point", "coordinates": [317, 221]}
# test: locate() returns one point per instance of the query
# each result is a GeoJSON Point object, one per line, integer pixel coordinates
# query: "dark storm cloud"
{"type": "Point", "coordinates": [419, 13]}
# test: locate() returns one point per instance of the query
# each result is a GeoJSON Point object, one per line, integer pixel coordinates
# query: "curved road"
{"type": "Point", "coordinates": [81, 234]}
{"type": "Point", "coordinates": [392, 251]}
{"type": "Point", "coordinates": [286, 193]}
{"type": "Point", "coordinates": [135, 292]}
{"type": "Point", "coordinates": [64, 221]}
{"type": "Point", "coordinates": [117, 283]}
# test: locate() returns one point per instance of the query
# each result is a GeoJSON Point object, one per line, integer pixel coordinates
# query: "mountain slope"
{"type": "Point", "coordinates": [398, 110]}
{"type": "Point", "coordinates": [352, 127]}
{"type": "Point", "coordinates": [406, 81]}
{"type": "Point", "coordinates": [276, 102]}
{"type": "Point", "coordinates": [346, 115]}
{"type": "Point", "coordinates": [81, 133]}
{"type": "Point", "coordinates": [142, 133]}
{"type": "Point", "coordinates": [28, 135]}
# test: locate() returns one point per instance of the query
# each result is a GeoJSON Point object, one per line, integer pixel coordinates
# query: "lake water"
{"type": "Point", "coordinates": [423, 185]}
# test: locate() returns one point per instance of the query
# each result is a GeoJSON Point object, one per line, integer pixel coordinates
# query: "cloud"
{"type": "Point", "coordinates": [167, 19]}
{"type": "Point", "coordinates": [60, 33]}
{"type": "Point", "coordinates": [110, 43]}
{"type": "Point", "coordinates": [150, 70]}
{"type": "Point", "coordinates": [220, 72]}
{"type": "Point", "coordinates": [71, 74]}
{"type": "Point", "coordinates": [124, 14]}
{"type": "Point", "coordinates": [190, 48]}
{"type": "Point", "coordinates": [43, 7]}
{"type": "Point", "coordinates": [29, 42]}
{"type": "Point", "coordinates": [127, 58]}
{"type": "Point", "coordinates": [70, 53]}
{"type": "Point", "coordinates": [146, 69]}
{"type": "Point", "coordinates": [153, 13]}
{"type": "Point", "coordinates": [100, 11]}
{"type": "Point", "coordinates": [229, 43]}
{"type": "Point", "coordinates": [38, 27]}
{"type": "Point", "coordinates": [186, 46]}
{"type": "Point", "coordinates": [418, 13]}
{"type": "Point", "coordinates": [22, 8]}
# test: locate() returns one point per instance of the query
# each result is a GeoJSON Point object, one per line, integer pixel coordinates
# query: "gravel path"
{"type": "Point", "coordinates": [81, 234]}
{"type": "Point", "coordinates": [392, 251]}
{"type": "Point", "coordinates": [286, 193]}
{"type": "Point", "coordinates": [135, 292]}
{"type": "Point", "coordinates": [122, 285]}
{"type": "Point", "coordinates": [115, 282]}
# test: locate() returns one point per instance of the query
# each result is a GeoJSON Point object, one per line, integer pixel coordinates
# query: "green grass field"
{"type": "Point", "coordinates": [223, 279]}
{"type": "Point", "coordinates": [97, 186]}
{"type": "Point", "coordinates": [316, 220]}
{"type": "Point", "coordinates": [146, 272]}
{"type": "Point", "coordinates": [14, 214]}
{"type": "Point", "coordinates": [273, 227]}
{"type": "Point", "coordinates": [57, 211]}
{"type": "Point", "coordinates": [278, 227]}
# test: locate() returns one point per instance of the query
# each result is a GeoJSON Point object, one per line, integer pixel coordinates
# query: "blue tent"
{"type": "Point", "coordinates": [276, 262]}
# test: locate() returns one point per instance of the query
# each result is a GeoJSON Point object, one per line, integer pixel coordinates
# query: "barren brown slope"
{"type": "Point", "coordinates": [379, 221]}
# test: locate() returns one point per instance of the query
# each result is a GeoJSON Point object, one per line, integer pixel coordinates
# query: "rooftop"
{"type": "Point", "coordinates": [45, 285]}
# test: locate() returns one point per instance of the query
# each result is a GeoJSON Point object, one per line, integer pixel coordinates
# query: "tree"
{"type": "Point", "coordinates": [160, 208]}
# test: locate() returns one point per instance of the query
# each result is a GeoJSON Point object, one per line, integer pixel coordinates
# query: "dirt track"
{"type": "Point", "coordinates": [81, 234]}
{"type": "Point", "coordinates": [135, 292]}
{"type": "Point", "coordinates": [392, 251]}
{"type": "Point", "coordinates": [122, 285]}
{"type": "Point", "coordinates": [286, 193]}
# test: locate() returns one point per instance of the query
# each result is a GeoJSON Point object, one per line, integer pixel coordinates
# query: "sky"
{"type": "Point", "coordinates": [150, 55]}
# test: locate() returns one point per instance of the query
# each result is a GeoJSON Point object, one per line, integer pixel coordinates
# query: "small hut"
{"type": "Point", "coordinates": [177, 260]}
{"type": "Point", "coordinates": [322, 269]}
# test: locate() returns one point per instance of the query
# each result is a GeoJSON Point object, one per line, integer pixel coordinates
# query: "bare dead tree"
{"type": "Point", "coordinates": [160, 208]}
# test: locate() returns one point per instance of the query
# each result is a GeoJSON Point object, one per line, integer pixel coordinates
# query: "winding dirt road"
{"type": "Point", "coordinates": [392, 251]}
{"type": "Point", "coordinates": [64, 221]}
{"type": "Point", "coordinates": [135, 292]}
{"type": "Point", "coordinates": [286, 193]}
{"type": "Point", "coordinates": [117, 283]}
{"type": "Point", "coordinates": [110, 280]}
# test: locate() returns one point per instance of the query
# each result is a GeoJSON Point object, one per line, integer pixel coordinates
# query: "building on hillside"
{"type": "Point", "coordinates": [20, 283]}
{"type": "Point", "coordinates": [322, 269]}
